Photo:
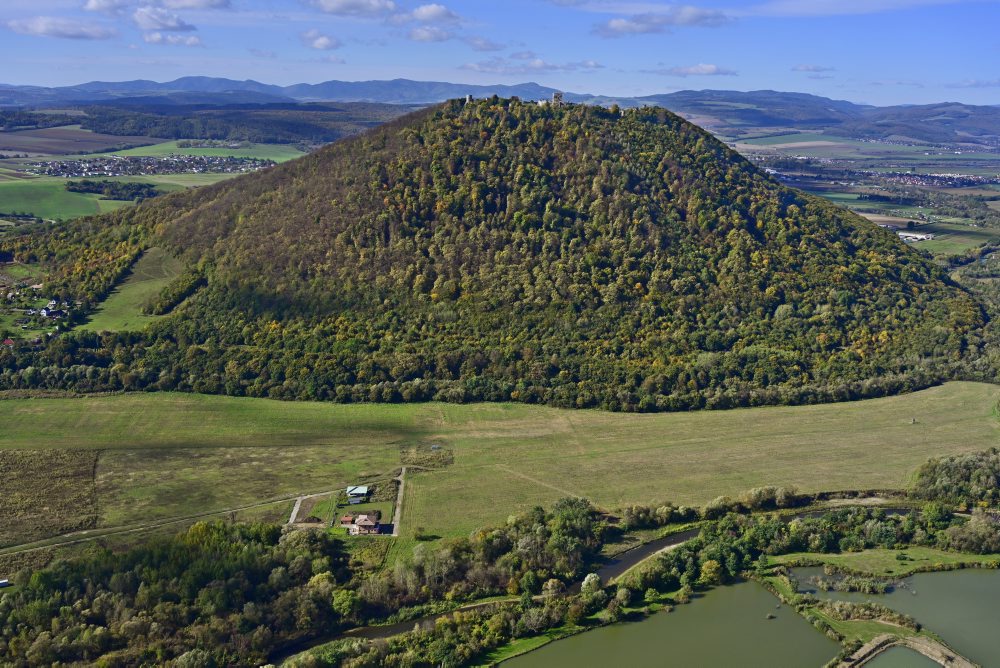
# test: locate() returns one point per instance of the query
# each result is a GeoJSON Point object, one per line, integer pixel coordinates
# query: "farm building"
{"type": "Point", "coordinates": [360, 524]}
{"type": "Point", "coordinates": [364, 525]}
{"type": "Point", "coordinates": [4, 583]}
{"type": "Point", "coordinates": [357, 494]}
{"type": "Point", "coordinates": [915, 236]}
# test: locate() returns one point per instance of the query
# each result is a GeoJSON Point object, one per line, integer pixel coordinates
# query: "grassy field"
{"type": "Point", "coordinates": [48, 198]}
{"type": "Point", "coordinates": [276, 152]}
{"type": "Point", "coordinates": [167, 455]}
{"type": "Point", "coordinates": [122, 310]}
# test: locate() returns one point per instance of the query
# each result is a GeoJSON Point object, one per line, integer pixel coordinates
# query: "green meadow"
{"type": "Point", "coordinates": [122, 310]}
{"type": "Point", "coordinates": [142, 457]}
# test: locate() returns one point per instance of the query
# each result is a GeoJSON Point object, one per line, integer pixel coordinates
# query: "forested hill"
{"type": "Point", "coordinates": [571, 255]}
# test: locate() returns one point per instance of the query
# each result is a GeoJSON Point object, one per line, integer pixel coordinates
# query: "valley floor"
{"type": "Point", "coordinates": [106, 462]}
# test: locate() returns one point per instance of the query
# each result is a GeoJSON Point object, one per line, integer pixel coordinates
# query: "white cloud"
{"type": "Point", "coordinates": [484, 44]}
{"type": "Point", "coordinates": [531, 65]}
{"type": "Point", "coordinates": [838, 7]}
{"type": "Point", "coordinates": [118, 6]}
{"type": "Point", "coordinates": [355, 7]}
{"type": "Point", "coordinates": [431, 14]}
{"type": "Point", "coordinates": [430, 34]}
{"type": "Point", "coordinates": [106, 6]}
{"type": "Point", "coordinates": [976, 83]}
{"type": "Point", "coordinates": [434, 13]}
{"type": "Point", "coordinates": [47, 26]}
{"type": "Point", "coordinates": [658, 22]}
{"type": "Point", "coordinates": [171, 40]}
{"type": "Point", "coordinates": [896, 82]}
{"type": "Point", "coordinates": [699, 70]}
{"type": "Point", "coordinates": [196, 4]}
{"type": "Point", "coordinates": [314, 39]}
{"type": "Point", "coordinates": [157, 18]}
{"type": "Point", "coordinates": [812, 68]}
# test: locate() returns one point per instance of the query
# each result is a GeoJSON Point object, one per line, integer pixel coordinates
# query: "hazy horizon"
{"type": "Point", "coordinates": [876, 52]}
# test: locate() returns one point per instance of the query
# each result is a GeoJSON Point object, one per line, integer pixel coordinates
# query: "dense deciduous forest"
{"type": "Point", "coordinates": [236, 593]}
{"type": "Point", "coordinates": [121, 190]}
{"type": "Point", "coordinates": [569, 255]}
{"type": "Point", "coordinates": [962, 479]}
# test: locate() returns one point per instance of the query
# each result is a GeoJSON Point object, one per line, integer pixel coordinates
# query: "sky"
{"type": "Point", "coordinates": [869, 51]}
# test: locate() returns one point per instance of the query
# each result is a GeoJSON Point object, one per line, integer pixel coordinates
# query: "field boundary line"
{"type": "Point", "coordinates": [542, 483]}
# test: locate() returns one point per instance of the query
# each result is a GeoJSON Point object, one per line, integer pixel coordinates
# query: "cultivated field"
{"type": "Point", "coordinates": [64, 140]}
{"type": "Point", "coordinates": [122, 310]}
{"type": "Point", "coordinates": [171, 455]}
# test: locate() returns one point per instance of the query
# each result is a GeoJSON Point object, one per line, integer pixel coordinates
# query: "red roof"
{"type": "Point", "coordinates": [8, 342]}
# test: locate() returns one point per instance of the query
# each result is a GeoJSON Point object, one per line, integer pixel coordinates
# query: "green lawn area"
{"type": "Point", "coordinates": [48, 198]}
{"type": "Point", "coordinates": [276, 152]}
{"type": "Point", "coordinates": [167, 454]}
{"type": "Point", "coordinates": [885, 563]}
{"type": "Point", "coordinates": [122, 310]}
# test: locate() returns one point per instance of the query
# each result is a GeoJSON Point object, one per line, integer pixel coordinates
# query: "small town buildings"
{"type": "Point", "coordinates": [9, 343]}
{"type": "Point", "coordinates": [357, 494]}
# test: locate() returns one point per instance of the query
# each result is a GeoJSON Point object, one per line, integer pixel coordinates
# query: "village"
{"type": "Point", "coordinates": [147, 166]}
{"type": "Point", "coordinates": [24, 307]}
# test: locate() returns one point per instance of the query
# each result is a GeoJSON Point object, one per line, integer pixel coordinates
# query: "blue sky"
{"type": "Point", "coordinates": [874, 51]}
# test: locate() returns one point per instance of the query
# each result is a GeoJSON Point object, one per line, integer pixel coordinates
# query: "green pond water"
{"type": "Point", "coordinates": [728, 626]}
{"type": "Point", "coordinates": [962, 607]}
{"type": "Point", "coordinates": [901, 657]}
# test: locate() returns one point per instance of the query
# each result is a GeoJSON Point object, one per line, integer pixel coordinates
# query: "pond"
{"type": "Point", "coordinates": [959, 606]}
{"type": "Point", "coordinates": [728, 626]}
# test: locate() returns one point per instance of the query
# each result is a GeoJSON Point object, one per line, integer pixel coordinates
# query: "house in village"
{"type": "Point", "coordinates": [357, 494]}
{"type": "Point", "coordinates": [4, 583]}
{"type": "Point", "coordinates": [365, 525]}
{"type": "Point", "coordinates": [362, 524]}
{"type": "Point", "coordinates": [9, 343]}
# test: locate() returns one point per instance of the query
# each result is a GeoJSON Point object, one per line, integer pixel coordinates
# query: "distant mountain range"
{"type": "Point", "coordinates": [397, 91]}
{"type": "Point", "coordinates": [724, 112]}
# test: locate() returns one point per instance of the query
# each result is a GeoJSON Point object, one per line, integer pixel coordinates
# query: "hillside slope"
{"type": "Point", "coordinates": [570, 255]}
